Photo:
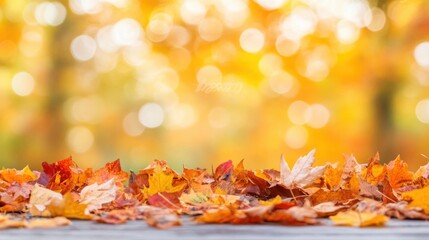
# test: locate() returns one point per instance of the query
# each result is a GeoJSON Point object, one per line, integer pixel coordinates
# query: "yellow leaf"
{"type": "Point", "coordinates": [162, 181]}
{"type": "Point", "coordinates": [271, 202]}
{"type": "Point", "coordinates": [19, 176]}
{"type": "Point", "coordinates": [47, 203]}
{"type": "Point", "coordinates": [419, 198]}
{"type": "Point", "coordinates": [193, 197]}
{"type": "Point", "coordinates": [69, 208]}
{"type": "Point", "coordinates": [357, 219]}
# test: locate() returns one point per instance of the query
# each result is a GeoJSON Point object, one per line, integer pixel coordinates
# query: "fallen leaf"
{"type": "Point", "coordinates": [95, 195]}
{"type": "Point", "coordinates": [398, 174]}
{"type": "Point", "coordinates": [330, 196]}
{"type": "Point", "coordinates": [358, 219]}
{"type": "Point", "coordinates": [401, 210]}
{"type": "Point", "coordinates": [419, 198]}
{"type": "Point", "coordinates": [18, 176]}
{"type": "Point", "coordinates": [48, 222]}
{"type": "Point", "coordinates": [302, 173]}
{"type": "Point", "coordinates": [110, 171]}
{"type": "Point", "coordinates": [6, 221]}
{"type": "Point", "coordinates": [41, 198]}
{"type": "Point", "coordinates": [69, 207]}
{"type": "Point", "coordinates": [326, 209]}
{"type": "Point", "coordinates": [293, 216]}
{"type": "Point", "coordinates": [163, 181]}
{"type": "Point", "coordinates": [160, 218]}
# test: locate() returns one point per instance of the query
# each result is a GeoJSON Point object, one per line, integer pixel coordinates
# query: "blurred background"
{"type": "Point", "coordinates": [198, 82]}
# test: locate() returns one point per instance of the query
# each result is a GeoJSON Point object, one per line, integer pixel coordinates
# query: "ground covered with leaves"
{"type": "Point", "coordinates": [347, 192]}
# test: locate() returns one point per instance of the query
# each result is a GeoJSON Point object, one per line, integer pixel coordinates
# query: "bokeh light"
{"type": "Point", "coordinates": [23, 84]}
{"type": "Point", "coordinates": [203, 81]}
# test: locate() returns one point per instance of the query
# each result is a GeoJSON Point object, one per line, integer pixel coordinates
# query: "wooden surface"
{"type": "Point", "coordinates": [84, 230]}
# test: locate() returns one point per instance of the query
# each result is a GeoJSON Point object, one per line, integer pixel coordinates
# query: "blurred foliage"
{"type": "Point", "coordinates": [197, 82]}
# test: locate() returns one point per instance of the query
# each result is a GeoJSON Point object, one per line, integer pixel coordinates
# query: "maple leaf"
{"type": "Point", "coordinates": [40, 198]}
{"type": "Point", "coordinates": [162, 181]}
{"type": "Point", "coordinates": [419, 198]}
{"type": "Point", "coordinates": [47, 203]}
{"type": "Point", "coordinates": [69, 207]}
{"type": "Point", "coordinates": [109, 171]}
{"type": "Point", "coordinates": [374, 172]}
{"type": "Point", "coordinates": [198, 180]}
{"type": "Point", "coordinates": [18, 176]}
{"type": "Point", "coordinates": [62, 176]}
{"type": "Point", "coordinates": [358, 219]}
{"type": "Point", "coordinates": [96, 195]}
{"type": "Point", "coordinates": [398, 174]}
{"type": "Point", "coordinates": [302, 173]}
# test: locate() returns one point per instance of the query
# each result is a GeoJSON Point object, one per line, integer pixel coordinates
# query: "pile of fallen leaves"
{"type": "Point", "coordinates": [347, 192]}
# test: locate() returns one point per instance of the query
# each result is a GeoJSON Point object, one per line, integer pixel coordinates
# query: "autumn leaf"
{"type": "Point", "coordinates": [96, 195]}
{"type": "Point", "coordinates": [165, 200]}
{"type": "Point", "coordinates": [294, 215]}
{"type": "Point", "coordinates": [231, 214]}
{"type": "Point", "coordinates": [162, 181]}
{"type": "Point", "coordinates": [18, 176]}
{"type": "Point", "coordinates": [326, 209]}
{"type": "Point", "coordinates": [69, 207]}
{"type": "Point", "coordinates": [41, 198]}
{"type": "Point", "coordinates": [224, 171]}
{"type": "Point", "coordinates": [110, 171]}
{"type": "Point", "coordinates": [422, 172]}
{"type": "Point", "coordinates": [401, 210]}
{"type": "Point", "coordinates": [322, 196]}
{"type": "Point", "coordinates": [398, 174]}
{"type": "Point", "coordinates": [419, 198]}
{"type": "Point", "coordinates": [47, 203]}
{"type": "Point", "coordinates": [6, 221]}
{"type": "Point", "coordinates": [302, 173]}
{"type": "Point", "coordinates": [358, 219]}
{"type": "Point", "coordinates": [374, 172]}
{"type": "Point", "coordinates": [48, 222]}
{"type": "Point", "coordinates": [159, 217]}
{"type": "Point", "coordinates": [271, 202]}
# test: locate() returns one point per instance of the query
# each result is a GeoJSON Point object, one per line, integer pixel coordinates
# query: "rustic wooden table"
{"type": "Point", "coordinates": [83, 230]}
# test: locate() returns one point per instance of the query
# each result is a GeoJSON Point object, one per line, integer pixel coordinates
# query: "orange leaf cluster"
{"type": "Point", "coordinates": [350, 193]}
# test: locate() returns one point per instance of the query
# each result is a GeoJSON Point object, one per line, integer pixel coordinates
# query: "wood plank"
{"type": "Point", "coordinates": [84, 230]}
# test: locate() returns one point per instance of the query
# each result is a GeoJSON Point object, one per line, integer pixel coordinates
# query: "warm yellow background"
{"type": "Point", "coordinates": [198, 82]}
